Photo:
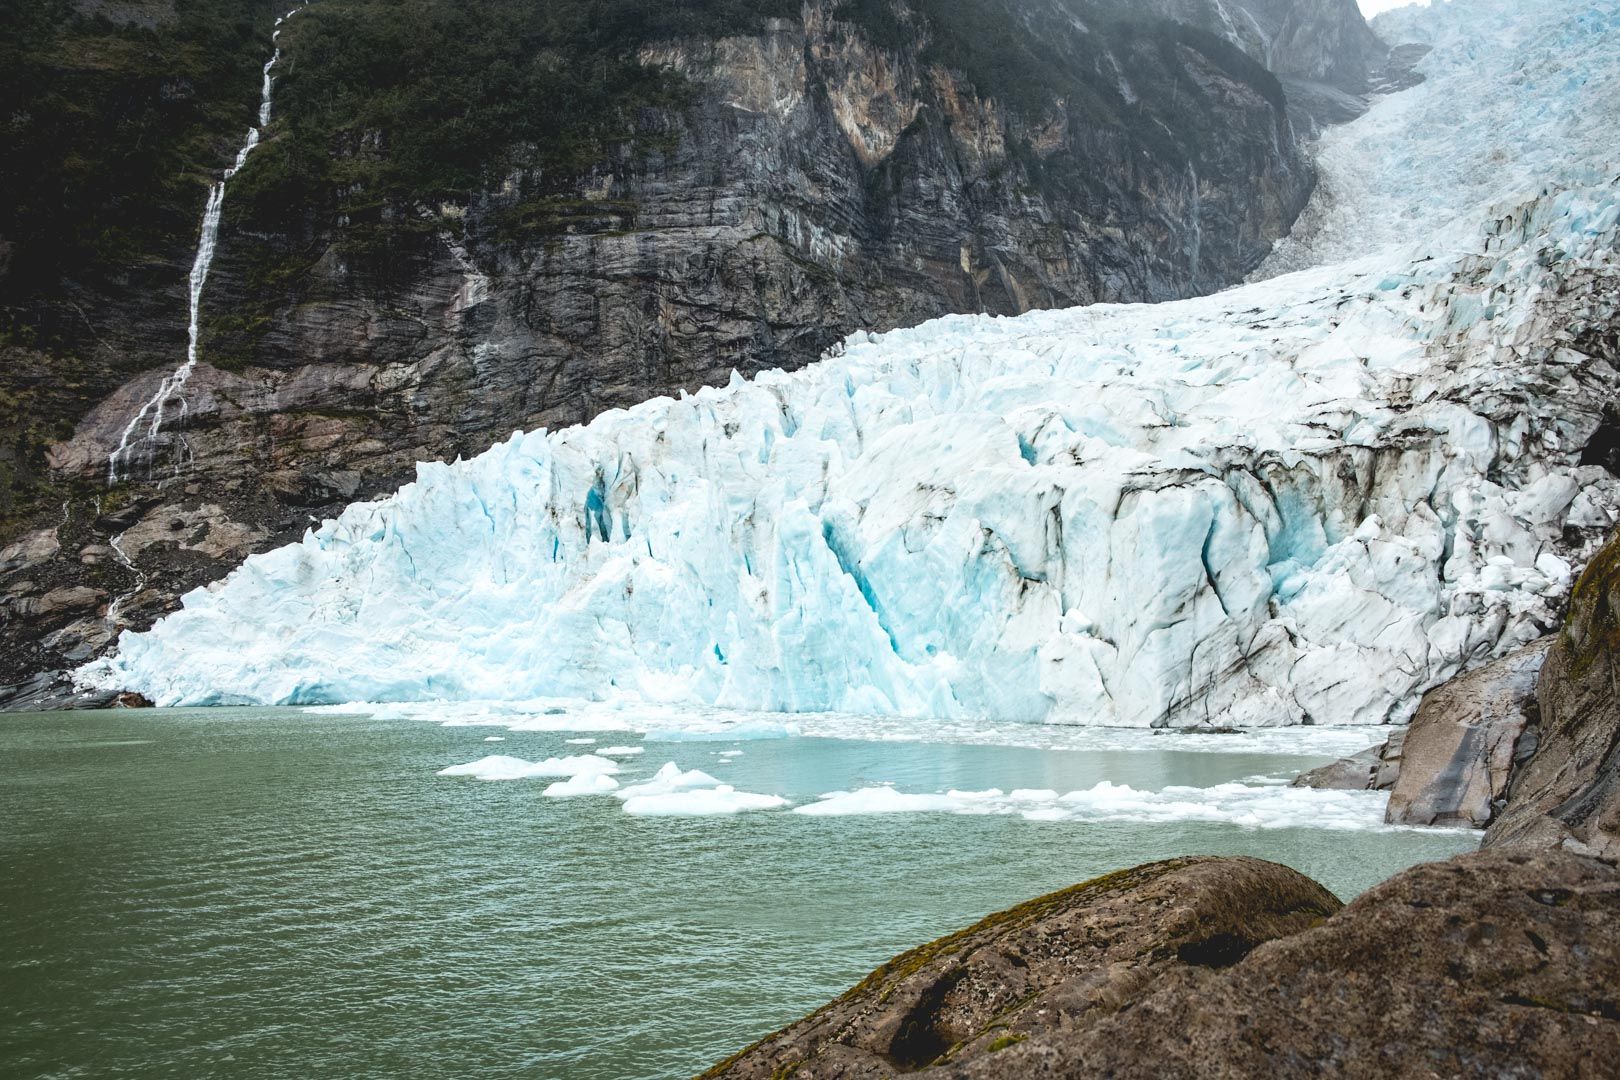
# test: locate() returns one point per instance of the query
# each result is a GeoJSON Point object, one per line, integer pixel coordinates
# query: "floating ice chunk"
{"type": "Point", "coordinates": [703, 802]}
{"type": "Point", "coordinates": [730, 753]}
{"type": "Point", "coordinates": [880, 800]}
{"type": "Point", "coordinates": [502, 767]}
{"type": "Point", "coordinates": [494, 738]}
{"type": "Point", "coordinates": [621, 751]}
{"type": "Point", "coordinates": [668, 779]}
{"type": "Point", "coordinates": [579, 742]}
{"type": "Point", "coordinates": [583, 784]}
{"type": "Point", "coordinates": [1255, 806]}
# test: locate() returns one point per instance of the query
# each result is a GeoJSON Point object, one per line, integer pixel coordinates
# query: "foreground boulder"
{"type": "Point", "coordinates": [1502, 963]}
{"type": "Point", "coordinates": [1490, 964]}
{"type": "Point", "coordinates": [1567, 791]}
{"type": "Point", "coordinates": [1041, 969]}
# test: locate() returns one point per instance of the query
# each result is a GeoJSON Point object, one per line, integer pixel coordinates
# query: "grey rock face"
{"type": "Point", "coordinates": [1376, 768]}
{"type": "Point", "coordinates": [1328, 58]}
{"type": "Point", "coordinates": [819, 183]}
{"type": "Point", "coordinates": [1458, 753]}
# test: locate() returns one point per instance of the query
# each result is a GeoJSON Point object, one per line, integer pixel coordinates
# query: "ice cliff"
{"type": "Point", "coordinates": [1304, 500]}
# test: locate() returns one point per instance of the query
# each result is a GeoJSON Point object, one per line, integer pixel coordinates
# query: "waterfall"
{"type": "Point", "coordinates": [1195, 252]}
{"type": "Point", "coordinates": [145, 425]}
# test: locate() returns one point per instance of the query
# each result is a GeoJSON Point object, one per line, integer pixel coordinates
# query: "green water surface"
{"type": "Point", "coordinates": [266, 893]}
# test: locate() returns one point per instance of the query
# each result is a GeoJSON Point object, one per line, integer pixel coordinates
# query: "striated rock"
{"type": "Point", "coordinates": [1566, 792]}
{"type": "Point", "coordinates": [1491, 964]}
{"type": "Point", "coordinates": [1458, 753]}
{"type": "Point", "coordinates": [29, 551]}
{"type": "Point", "coordinates": [69, 598]}
{"type": "Point", "coordinates": [50, 691]}
{"type": "Point", "coordinates": [1041, 971]}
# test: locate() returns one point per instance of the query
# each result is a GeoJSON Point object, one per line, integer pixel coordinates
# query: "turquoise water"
{"type": "Point", "coordinates": [268, 893]}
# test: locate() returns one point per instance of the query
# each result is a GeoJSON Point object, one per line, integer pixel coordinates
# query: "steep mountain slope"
{"type": "Point", "coordinates": [1306, 500]}
{"type": "Point", "coordinates": [467, 219]}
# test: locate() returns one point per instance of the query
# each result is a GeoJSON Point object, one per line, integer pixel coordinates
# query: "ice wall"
{"type": "Point", "coordinates": [1303, 500]}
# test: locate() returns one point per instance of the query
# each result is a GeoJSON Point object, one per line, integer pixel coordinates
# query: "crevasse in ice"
{"type": "Point", "coordinates": [1306, 499]}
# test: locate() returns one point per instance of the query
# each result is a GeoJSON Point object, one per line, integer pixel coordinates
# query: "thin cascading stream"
{"type": "Point", "coordinates": [145, 426]}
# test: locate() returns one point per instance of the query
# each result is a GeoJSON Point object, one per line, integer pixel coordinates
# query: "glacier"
{"type": "Point", "coordinates": [1304, 500]}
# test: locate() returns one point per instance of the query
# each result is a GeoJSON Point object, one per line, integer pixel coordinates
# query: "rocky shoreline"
{"type": "Point", "coordinates": [1504, 962]}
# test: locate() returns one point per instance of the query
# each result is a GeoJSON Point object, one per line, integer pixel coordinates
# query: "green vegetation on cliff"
{"type": "Point", "coordinates": [390, 108]}
{"type": "Point", "coordinates": [113, 117]}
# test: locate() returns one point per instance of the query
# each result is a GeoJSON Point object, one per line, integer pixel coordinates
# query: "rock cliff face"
{"type": "Point", "coordinates": [1566, 791]}
{"type": "Point", "coordinates": [858, 166]}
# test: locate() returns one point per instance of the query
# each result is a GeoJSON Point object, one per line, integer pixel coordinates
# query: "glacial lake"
{"type": "Point", "coordinates": [280, 893]}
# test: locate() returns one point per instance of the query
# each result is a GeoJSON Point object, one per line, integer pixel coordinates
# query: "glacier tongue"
{"type": "Point", "coordinates": [1307, 499]}
{"type": "Point", "coordinates": [1518, 93]}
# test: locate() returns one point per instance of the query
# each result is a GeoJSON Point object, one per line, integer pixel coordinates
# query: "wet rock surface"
{"type": "Point", "coordinates": [1374, 769]}
{"type": "Point", "coordinates": [1492, 964]}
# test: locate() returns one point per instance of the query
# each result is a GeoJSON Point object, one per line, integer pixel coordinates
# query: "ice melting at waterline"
{"type": "Point", "coordinates": [153, 413]}
{"type": "Point", "coordinates": [1304, 500]}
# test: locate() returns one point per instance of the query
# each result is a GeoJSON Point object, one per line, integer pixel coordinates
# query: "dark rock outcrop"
{"type": "Point", "coordinates": [847, 169]}
{"type": "Point", "coordinates": [1566, 791]}
{"type": "Point", "coordinates": [1328, 58]}
{"type": "Point", "coordinates": [1492, 964]}
{"type": "Point", "coordinates": [1374, 769]}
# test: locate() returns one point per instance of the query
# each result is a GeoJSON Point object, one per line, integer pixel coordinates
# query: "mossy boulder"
{"type": "Point", "coordinates": [1020, 978]}
{"type": "Point", "coordinates": [1501, 963]}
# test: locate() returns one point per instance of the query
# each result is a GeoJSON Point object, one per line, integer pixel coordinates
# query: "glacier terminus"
{"type": "Point", "coordinates": [1304, 500]}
